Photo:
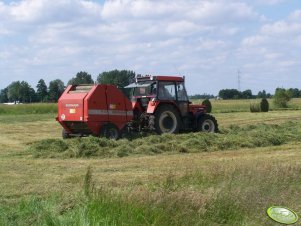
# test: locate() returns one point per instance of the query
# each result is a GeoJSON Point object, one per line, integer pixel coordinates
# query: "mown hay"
{"type": "Point", "coordinates": [231, 138]}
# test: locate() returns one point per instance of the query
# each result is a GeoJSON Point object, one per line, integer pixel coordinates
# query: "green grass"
{"type": "Point", "coordinates": [243, 195]}
{"type": "Point", "coordinates": [228, 106]}
{"type": "Point", "coordinates": [19, 119]}
{"type": "Point", "coordinates": [22, 109]}
{"type": "Point", "coordinates": [218, 106]}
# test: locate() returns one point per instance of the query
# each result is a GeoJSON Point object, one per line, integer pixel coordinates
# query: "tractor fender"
{"type": "Point", "coordinates": [152, 109]}
{"type": "Point", "coordinates": [199, 115]}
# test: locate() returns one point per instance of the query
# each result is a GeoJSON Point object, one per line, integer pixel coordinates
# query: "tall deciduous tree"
{"type": "Point", "coordinates": [262, 94]}
{"type": "Point", "coordinates": [116, 77]}
{"type": "Point", "coordinates": [81, 78]}
{"type": "Point", "coordinates": [3, 95]}
{"type": "Point", "coordinates": [42, 91]}
{"type": "Point", "coordinates": [13, 92]}
{"type": "Point", "coordinates": [56, 88]}
{"type": "Point", "coordinates": [247, 94]}
{"type": "Point", "coordinates": [27, 93]}
{"type": "Point", "coordinates": [20, 91]}
{"type": "Point", "coordinates": [294, 92]}
{"type": "Point", "coordinates": [229, 94]}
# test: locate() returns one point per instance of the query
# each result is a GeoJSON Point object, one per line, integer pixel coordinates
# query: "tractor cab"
{"type": "Point", "coordinates": [148, 92]}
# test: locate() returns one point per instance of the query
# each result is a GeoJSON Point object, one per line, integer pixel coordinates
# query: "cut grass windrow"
{"type": "Point", "coordinates": [232, 138]}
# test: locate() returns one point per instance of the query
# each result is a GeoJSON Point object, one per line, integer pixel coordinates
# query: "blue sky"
{"type": "Point", "coordinates": [208, 41]}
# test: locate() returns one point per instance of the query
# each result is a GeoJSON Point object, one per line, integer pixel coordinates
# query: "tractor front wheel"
{"type": "Point", "coordinates": [167, 120]}
{"type": "Point", "coordinates": [110, 131]}
{"type": "Point", "coordinates": [207, 123]}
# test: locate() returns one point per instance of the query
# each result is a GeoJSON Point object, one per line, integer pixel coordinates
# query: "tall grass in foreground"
{"type": "Point", "coordinates": [232, 138]}
{"type": "Point", "coordinates": [231, 193]}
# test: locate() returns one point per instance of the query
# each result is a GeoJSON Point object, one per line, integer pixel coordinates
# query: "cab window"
{"type": "Point", "coordinates": [181, 92]}
{"type": "Point", "coordinates": [166, 91]}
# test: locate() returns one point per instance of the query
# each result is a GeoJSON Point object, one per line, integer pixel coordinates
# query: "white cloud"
{"type": "Point", "coordinates": [197, 38]}
{"type": "Point", "coordinates": [211, 44]}
{"type": "Point", "coordinates": [141, 8]}
{"type": "Point", "coordinates": [182, 28]}
{"type": "Point", "coordinates": [274, 50]}
{"type": "Point", "coordinates": [271, 2]}
{"type": "Point", "coordinates": [281, 27]}
{"type": "Point", "coordinates": [295, 16]}
{"type": "Point", "coordinates": [219, 12]}
{"type": "Point", "coordinates": [254, 40]}
{"type": "Point", "coordinates": [27, 11]}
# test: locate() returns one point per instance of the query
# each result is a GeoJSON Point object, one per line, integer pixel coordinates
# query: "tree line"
{"type": "Point", "coordinates": [22, 92]}
{"type": "Point", "coordinates": [247, 94]}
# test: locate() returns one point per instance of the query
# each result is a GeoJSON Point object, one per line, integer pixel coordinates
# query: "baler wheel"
{"type": "Point", "coordinates": [65, 134]}
{"type": "Point", "coordinates": [167, 120]}
{"type": "Point", "coordinates": [207, 123]}
{"type": "Point", "coordinates": [110, 131]}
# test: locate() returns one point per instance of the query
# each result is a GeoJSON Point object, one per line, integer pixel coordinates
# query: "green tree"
{"type": "Point", "coordinates": [13, 91]}
{"type": "Point", "coordinates": [116, 77]}
{"type": "Point", "coordinates": [294, 92]}
{"type": "Point", "coordinates": [3, 95]}
{"type": "Point", "coordinates": [247, 94]}
{"type": "Point", "coordinates": [27, 93]}
{"type": "Point", "coordinates": [56, 88]}
{"type": "Point", "coordinates": [262, 94]}
{"type": "Point", "coordinates": [282, 97]}
{"type": "Point", "coordinates": [41, 91]}
{"type": "Point", "coordinates": [229, 94]}
{"type": "Point", "coordinates": [20, 92]}
{"type": "Point", "coordinates": [81, 78]}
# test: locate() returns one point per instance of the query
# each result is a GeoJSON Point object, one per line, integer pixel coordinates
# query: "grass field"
{"type": "Point", "coordinates": [228, 106]}
{"type": "Point", "coordinates": [231, 180]}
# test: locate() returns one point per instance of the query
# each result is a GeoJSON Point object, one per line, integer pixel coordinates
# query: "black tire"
{"type": "Point", "coordinates": [167, 120]}
{"type": "Point", "coordinates": [207, 123]}
{"type": "Point", "coordinates": [110, 131]}
{"type": "Point", "coordinates": [65, 134]}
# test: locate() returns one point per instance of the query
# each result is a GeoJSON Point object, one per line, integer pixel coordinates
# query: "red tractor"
{"type": "Point", "coordinates": [159, 103]}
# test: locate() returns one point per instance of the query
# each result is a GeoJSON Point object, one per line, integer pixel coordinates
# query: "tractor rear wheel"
{"type": "Point", "coordinates": [110, 131]}
{"type": "Point", "coordinates": [207, 123]}
{"type": "Point", "coordinates": [167, 120]}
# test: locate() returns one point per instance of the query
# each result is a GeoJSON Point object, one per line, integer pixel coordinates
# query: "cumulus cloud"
{"type": "Point", "coordinates": [275, 49]}
{"type": "Point", "coordinates": [205, 40]}
{"type": "Point", "coordinates": [271, 2]}
{"type": "Point", "coordinates": [281, 27]}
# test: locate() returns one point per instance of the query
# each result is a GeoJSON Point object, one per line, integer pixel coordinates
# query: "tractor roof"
{"type": "Point", "coordinates": [160, 78]}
